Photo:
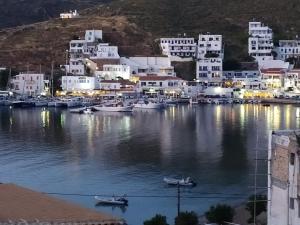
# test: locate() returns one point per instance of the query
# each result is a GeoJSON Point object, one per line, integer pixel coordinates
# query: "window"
{"type": "Point", "coordinates": [292, 159]}
{"type": "Point", "coordinates": [292, 203]}
{"type": "Point", "coordinates": [143, 83]}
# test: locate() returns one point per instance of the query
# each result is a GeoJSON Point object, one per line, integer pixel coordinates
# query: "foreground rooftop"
{"type": "Point", "coordinates": [19, 204]}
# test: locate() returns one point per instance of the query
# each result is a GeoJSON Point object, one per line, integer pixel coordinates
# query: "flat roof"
{"type": "Point", "coordinates": [19, 203]}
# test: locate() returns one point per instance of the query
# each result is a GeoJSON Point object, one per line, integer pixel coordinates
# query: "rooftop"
{"type": "Point", "coordinates": [19, 203]}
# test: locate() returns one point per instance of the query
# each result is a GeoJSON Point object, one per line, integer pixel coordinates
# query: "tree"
{"type": "Point", "coordinates": [157, 220]}
{"type": "Point", "coordinates": [261, 205]}
{"type": "Point", "coordinates": [186, 218]}
{"type": "Point", "coordinates": [231, 64]}
{"type": "Point", "coordinates": [220, 214]}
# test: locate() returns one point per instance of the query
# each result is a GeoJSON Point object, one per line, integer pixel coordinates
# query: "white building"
{"type": "Point", "coordinates": [160, 84]}
{"type": "Point", "coordinates": [272, 78]}
{"type": "Point", "coordinates": [79, 83]}
{"type": "Point", "coordinates": [283, 178]}
{"type": "Point", "coordinates": [177, 48]}
{"type": "Point", "coordinates": [210, 46]}
{"type": "Point", "coordinates": [69, 15]}
{"type": "Point", "coordinates": [210, 70]}
{"type": "Point", "coordinates": [113, 72]}
{"type": "Point", "coordinates": [30, 84]}
{"type": "Point", "coordinates": [104, 51]}
{"type": "Point", "coordinates": [292, 80]}
{"type": "Point", "coordinates": [83, 52]}
{"type": "Point", "coordinates": [288, 49]}
{"type": "Point", "coordinates": [260, 42]}
{"type": "Point", "coordinates": [143, 66]}
{"type": "Point", "coordinates": [209, 65]}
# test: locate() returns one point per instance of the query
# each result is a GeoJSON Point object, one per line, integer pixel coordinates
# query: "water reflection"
{"type": "Point", "coordinates": [114, 153]}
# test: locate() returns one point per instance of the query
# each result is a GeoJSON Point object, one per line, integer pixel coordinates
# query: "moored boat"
{"type": "Point", "coordinates": [146, 104]}
{"type": "Point", "coordinates": [113, 107]}
{"type": "Point", "coordinates": [111, 201]}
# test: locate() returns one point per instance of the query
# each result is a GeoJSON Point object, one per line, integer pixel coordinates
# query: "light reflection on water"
{"type": "Point", "coordinates": [54, 151]}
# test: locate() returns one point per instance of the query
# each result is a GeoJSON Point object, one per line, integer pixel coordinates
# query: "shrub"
{"type": "Point", "coordinates": [220, 214]}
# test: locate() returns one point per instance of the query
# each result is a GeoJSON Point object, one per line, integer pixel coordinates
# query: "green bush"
{"type": "Point", "coordinates": [186, 218]}
{"type": "Point", "coordinates": [220, 214]}
{"type": "Point", "coordinates": [157, 220]}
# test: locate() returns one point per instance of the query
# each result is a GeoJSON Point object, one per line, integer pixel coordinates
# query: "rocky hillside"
{"type": "Point", "coordinates": [41, 43]}
{"type": "Point", "coordinates": [20, 12]}
{"type": "Point", "coordinates": [134, 25]}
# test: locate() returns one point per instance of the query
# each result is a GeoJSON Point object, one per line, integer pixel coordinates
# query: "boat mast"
{"type": "Point", "coordinates": [52, 67]}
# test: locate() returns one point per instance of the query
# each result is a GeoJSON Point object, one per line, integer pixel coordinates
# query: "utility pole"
{"type": "Point", "coordinates": [178, 199]}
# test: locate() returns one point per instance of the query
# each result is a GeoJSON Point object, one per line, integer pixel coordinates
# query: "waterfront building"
{"type": "Point", "coordinates": [178, 48]}
{"type": "Point", "coordinates": [30, 84]}
{"type": "Point", "coordinates": [247, 77]}
{"type": "Point", "coordinates": [160, 84]}
{"type": "Point", "coordinates": [272, 78]}
{"type": "Point", "coordinates": [288, 49]}
{"type": "Point", "coordinates": [143, 66]}
{"type": "Point", "coordinates": [283, 178]}
{"type": "Point", "coordinates": [260, 42]}
{"type": "Point", "coordinates": [210, 46]}
{"type": "Point", "coordinates": [114, 72]}
{"type": "Point", "coordinates": [209, 65]}
{"type": "Point", "coordinates": [24, 206]}
{"type": "Point", "coordinates": [210, 71]}
{"type": "Point", "coordinates": [292, 81]}
{"type": "Point", "coordinates": [69, 15]}
{"type": "Point", "coordinates": [79, 83]}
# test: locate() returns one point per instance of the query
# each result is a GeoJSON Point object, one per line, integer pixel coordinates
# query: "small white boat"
{"type": "Point", "coordinates": [188, 182]}
{"type": "Point", "coordinates": [88, 111]}
{"type": "Point", "coordinates": [111, 201]}
{"type": "Point", "coordinates": [113, 107]}
{"type": "Point", "coordinates": [41, 103]}
{"type": "Point", "coordinates": [145, 104]}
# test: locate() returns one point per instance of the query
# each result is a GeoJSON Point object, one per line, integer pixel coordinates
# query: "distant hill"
{"type": "Point", "coordinates": [144, 21]}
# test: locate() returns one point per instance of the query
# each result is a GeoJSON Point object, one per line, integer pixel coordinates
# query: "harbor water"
{"type": "Point", "coordinates": [79, 156]}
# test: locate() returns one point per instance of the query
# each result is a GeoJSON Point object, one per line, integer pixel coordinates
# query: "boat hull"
{"type": "Point", "coordinates": [113, 109]}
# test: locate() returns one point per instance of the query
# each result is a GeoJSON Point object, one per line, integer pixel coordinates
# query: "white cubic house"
{"type": "Point", "coordinates": [178, 48]}
{"type": "Point", "coordinates": [210, 46]}
{"type": "Point", "coordinates": [160, 84]}
{"type": "Point", "coordinates": [143, 66]}
{"type": "Point", "coordinates": [114, 72]}
{"type": "Point", "coordinates": [30, 84]}
{"type": "Point", "coordinates": [79, 83]}
{"type": "Point", "coordinates": [288, 49]}
{"type": "Point", "coordinates": [210, 53]}
{"type": "Point", "coordinates": [83, 53]}
{"type": "Point", "coordinates": [69, 15]}
{"type": "Point", "coordinates": [260, 42]}
{"type": "Point", "coordinates": [284, 178]}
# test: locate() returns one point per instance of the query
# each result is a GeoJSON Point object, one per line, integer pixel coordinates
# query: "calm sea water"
{"type": "Point", "coordinates": [51, 150]}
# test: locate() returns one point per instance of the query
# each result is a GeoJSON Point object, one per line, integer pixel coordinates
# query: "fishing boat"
{"type": "Point", "coordinates": [188, 182]}
{"type": "Point", "coordinates": [122, 201]}
{"type": "Point", "coordinates": [113, 107]}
